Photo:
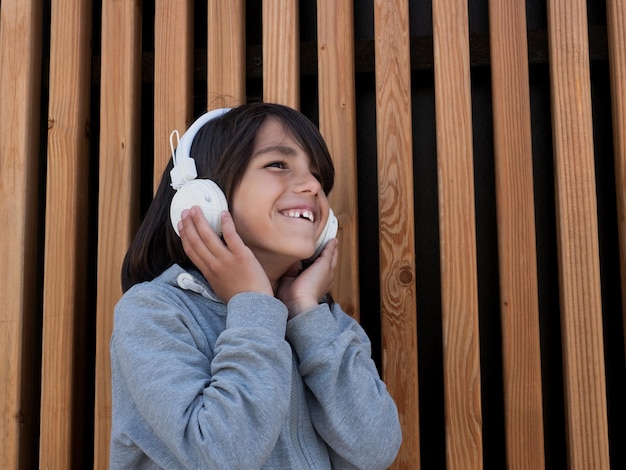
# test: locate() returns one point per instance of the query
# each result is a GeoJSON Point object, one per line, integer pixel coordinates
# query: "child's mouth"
{"type": "Point", "coordinates": [299, 214]}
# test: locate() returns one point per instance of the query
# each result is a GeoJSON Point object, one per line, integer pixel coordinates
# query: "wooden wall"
{"type": "Point", "coordinates": [480, 152]}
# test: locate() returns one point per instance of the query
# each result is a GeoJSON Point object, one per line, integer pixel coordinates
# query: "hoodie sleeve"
{"type": "Point", "coordinates": [224, 411]}
{"type": "Point", "coordinates": [350, 405]}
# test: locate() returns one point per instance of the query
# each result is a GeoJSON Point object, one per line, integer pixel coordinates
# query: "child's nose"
{"type": "Point", "coordinates": [308, 182]}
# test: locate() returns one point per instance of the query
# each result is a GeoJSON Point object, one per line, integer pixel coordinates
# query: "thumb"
{"type": "Point", "coordinates": [294, 269]}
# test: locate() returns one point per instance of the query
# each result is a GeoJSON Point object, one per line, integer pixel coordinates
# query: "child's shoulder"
{"type": "Point", "coordinates": [167, 293]}
{"type": "Point", "coordinates": [162, 286]}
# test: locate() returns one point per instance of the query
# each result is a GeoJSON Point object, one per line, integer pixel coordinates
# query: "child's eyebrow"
{"type": "Point", "coordinates": [283, 150]}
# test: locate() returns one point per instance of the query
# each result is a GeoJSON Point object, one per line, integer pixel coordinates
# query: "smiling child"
{"type": "Point", "coordinates": [227, 350]}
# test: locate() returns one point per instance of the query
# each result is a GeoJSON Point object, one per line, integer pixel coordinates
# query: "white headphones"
{"type": "Point", "coordinates": [205, 193]}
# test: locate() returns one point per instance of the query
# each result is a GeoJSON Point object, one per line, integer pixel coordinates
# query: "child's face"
{"type": "Point", "coordinates": [279, 207]}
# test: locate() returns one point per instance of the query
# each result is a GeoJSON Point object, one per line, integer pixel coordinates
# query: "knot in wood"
{"type": "Point", "coordinates": [406, 276]}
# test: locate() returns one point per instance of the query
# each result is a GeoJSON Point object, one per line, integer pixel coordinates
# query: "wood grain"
{"type": "Point", "coordinates": [519, 305]}
{"type": "Point", "coordinates": [119, 187]}
{"type": "Point", "coordinates": [577, 231]}
{"type": "Point", "coordinates": [54, 256]}
{"type": "Point", "coordinates": [20, 75]}
{"type": "Point", "coordinates": [396, 220]}
{"type": "Point", "coordinates": [616, 26]}
{"type": "Point", "coordinates": [173, 76]}
{"type": "Point", "coordinates": [226, 53]}
{"type": "Point", "coordinates": [281, 52]}
{"type": "Point", "coordinates": [64, 345]}
{"type": "Point", "coordinates": [457, 235]}
{"type": "Point", "coordinates": [337, 115]}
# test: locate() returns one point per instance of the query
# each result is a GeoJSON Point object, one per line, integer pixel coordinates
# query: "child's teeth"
{"type": "Point", "coordinates": [296, 214]}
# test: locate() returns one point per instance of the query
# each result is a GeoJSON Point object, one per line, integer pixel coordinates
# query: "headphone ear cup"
{"type": "Point", "coordinates": [329, 232]}
{"type": "Point", "coordinates": [203, 193]}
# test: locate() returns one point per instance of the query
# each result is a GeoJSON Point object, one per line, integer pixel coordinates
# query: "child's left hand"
{"type": "Point", "coordinates": [302, 291]}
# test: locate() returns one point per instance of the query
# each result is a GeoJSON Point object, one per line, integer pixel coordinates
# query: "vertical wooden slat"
{"type": "Point", "coordinates": [337, 108]}
{"type": "Point", "coordinates": [517, 255]}
{"type": "Point", "coordinates": [281, 52]}
{"type": "Point", "coordinates": [457, 234]}
{"type": "Point", "coordinates": [62, 397]}
{"type": "Point", "coordinates": [396, 219]}
{"type": "Point", "coordinates": [226, 53]}
{"type": "Point", "coordinates": [173, 75]}
{"type": "Point", "coordinates": [577, 231]}
{"type": "Point", "coordinates": [118, 186]}
{"type": "Point", "coordinates": [20, 64]}
{"type": "Point", "coordinates": [616, 25]}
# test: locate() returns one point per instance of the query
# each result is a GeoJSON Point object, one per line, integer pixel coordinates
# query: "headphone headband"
{"type": "Point", "coordinates": [184, 166]}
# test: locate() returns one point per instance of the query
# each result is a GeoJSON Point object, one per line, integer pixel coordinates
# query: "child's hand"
{"type": "Point", "coordinates": [231, 267]}
{"type": "Point", "coordinates": [303, 291]}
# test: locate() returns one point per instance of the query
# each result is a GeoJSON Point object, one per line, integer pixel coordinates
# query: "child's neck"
{"type": "Point", "coordinates": [275, 268]}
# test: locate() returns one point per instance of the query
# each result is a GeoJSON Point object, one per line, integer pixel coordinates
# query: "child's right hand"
{"type": "Point", "coordinates": [231, 267]}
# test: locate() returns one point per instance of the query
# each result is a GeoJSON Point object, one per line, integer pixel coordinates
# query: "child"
{"type": "Point", "coordinates": [226, 353]}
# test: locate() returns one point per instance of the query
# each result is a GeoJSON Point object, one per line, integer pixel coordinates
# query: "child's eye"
{"type": "Point", "coordinates": [277, 164]}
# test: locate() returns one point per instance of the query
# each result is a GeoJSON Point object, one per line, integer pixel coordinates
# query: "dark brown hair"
{"type": "Point", "coordinates": [221, 150]}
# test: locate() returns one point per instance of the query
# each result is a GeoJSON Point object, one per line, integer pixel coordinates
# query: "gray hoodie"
{"type": "Point", "coordinates": [199, 384]}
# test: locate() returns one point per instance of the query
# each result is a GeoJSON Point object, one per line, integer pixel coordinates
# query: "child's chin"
{"type": "Point", "coordinates": [297, 251]}
{"type": "Point", "coordinates": [301, 254]}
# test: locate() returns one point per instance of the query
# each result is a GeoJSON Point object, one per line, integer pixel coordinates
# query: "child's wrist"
{"type": "Point", "coordinates": [300, 306]}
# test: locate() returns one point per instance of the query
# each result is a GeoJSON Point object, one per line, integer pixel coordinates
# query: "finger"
{"type": "Point", "coordinates": [207, 235]}
{"type": "Point", "coordinates": [294, 269]}
{"type": "Point", "coordinates": [192, 243]}
{"type": "Point", "coordinates": [204, 229]}
{"type": "Point", "coordinates": [330, 250]}
{"type": "Point", "coordinates": [333, 254]}
{"type": "Point", "coordinates": [200, 242]}
{"type": "Point", "coordinates": [335, 258]}
{"type": "Point", "coordinates": [229, 232]}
